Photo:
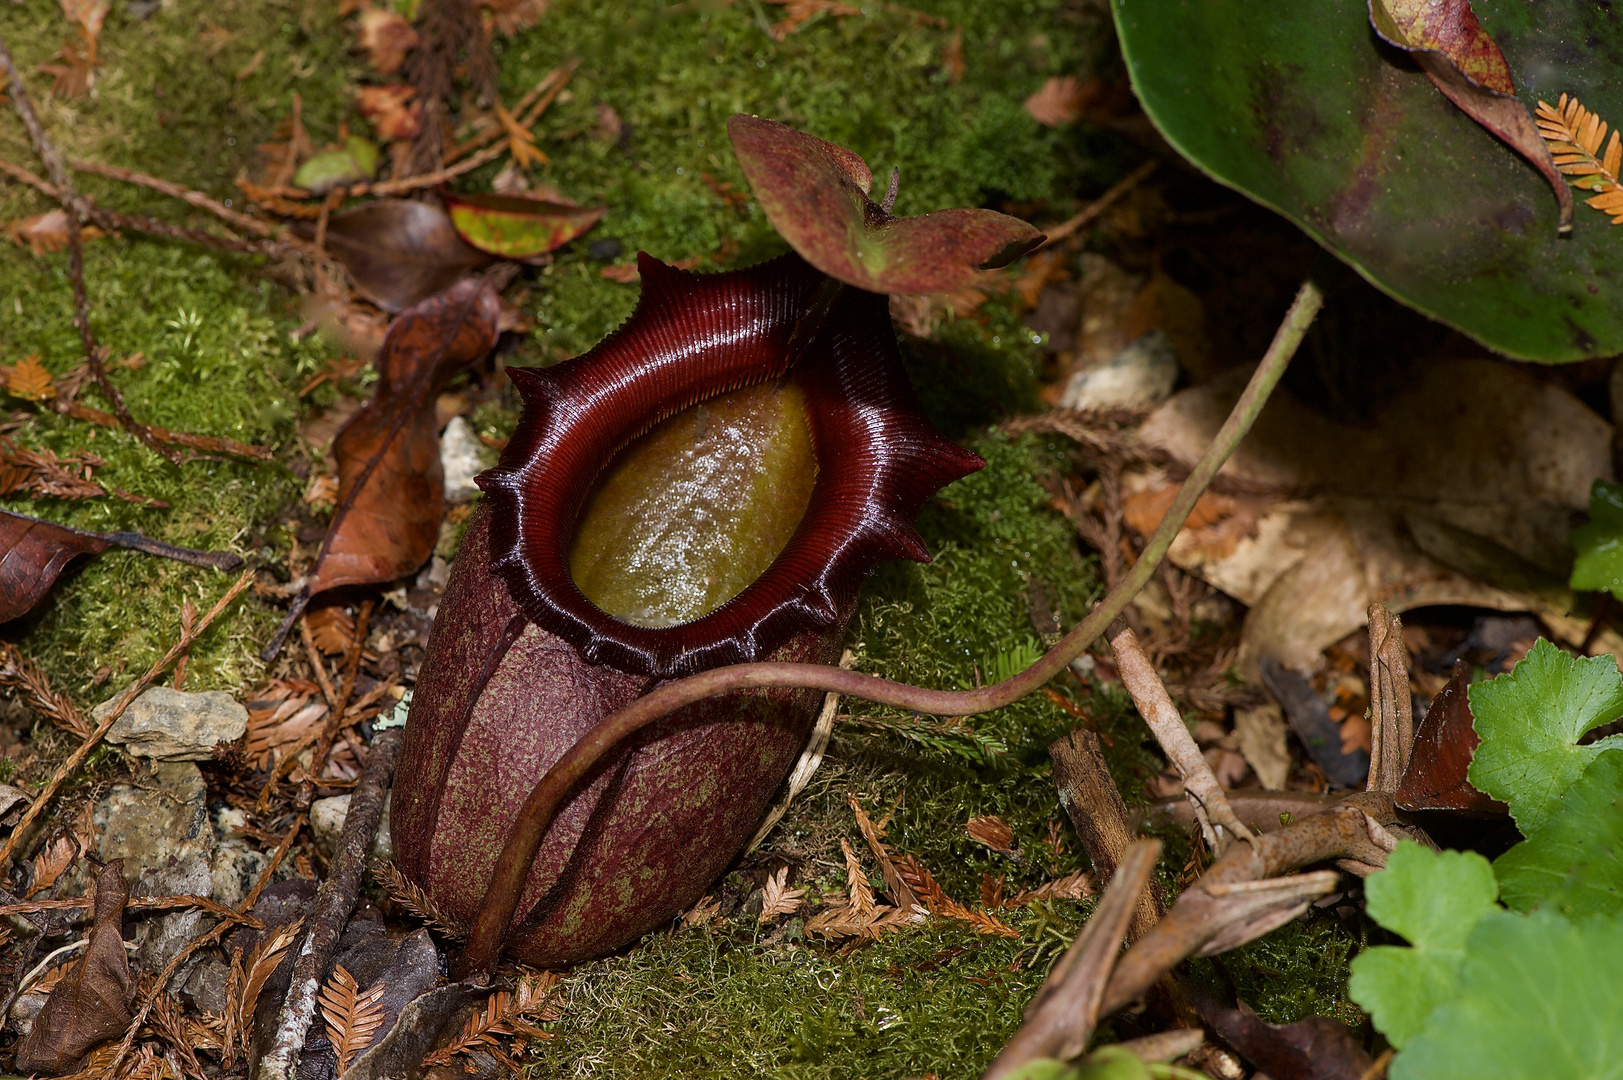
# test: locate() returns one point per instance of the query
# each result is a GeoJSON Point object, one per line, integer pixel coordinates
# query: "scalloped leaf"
{"type": "Point", "coordinates": [816, 195]}
{"type": "Point", "coordinates": [1433, 899]}
{"type": "Point", "coordinates": [1574, 864]}
{"type": "Point", "coordinates": [1530, 720]}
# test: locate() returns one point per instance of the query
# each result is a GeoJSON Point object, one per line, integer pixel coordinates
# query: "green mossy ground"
{"type": "Point", "coordinates": [220, 359]}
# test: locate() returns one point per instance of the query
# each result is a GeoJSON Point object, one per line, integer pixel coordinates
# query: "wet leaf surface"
{"type": "Point", "coordinates": [399, 252]}
{"type": "Point", "coordinates": [1462, 61]}
{"type": "Point", "coordinates": [390, 485]}
{"type": "Point", "coordinates": [816, 195]}
{"type": "Point", "coordinates": [91, 1003]}
{"type": "Point", "coordinates": [516, 227]}
{"type": "Point", "coordinates": [1304, 109]}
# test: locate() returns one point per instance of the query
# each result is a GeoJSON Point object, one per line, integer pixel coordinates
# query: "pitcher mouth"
{"type": "Point", "coordinates": [692, 338]}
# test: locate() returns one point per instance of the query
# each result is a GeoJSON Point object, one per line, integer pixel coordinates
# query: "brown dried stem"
{"type": "Point", "coordinates": [490, 926]}
{"type": "Point", "coordinates": [1061, 1018]}
{"type": "Point", "coordinates": [334, 902]}
{"type": "Point", "coordinates": [75, 759]}
{"type": "Point", "coordinates": [335, 721]}
{"type": "Point", "coordinates": [1392, 718]}
{"type": "Point", "coordinates": [181, 192]}
{"type": "Point", "coordinates": [1100, 205]}
{"type": "Point", "coordinates": [139, 903]}
{"type": "Point", "coordinates": [1155, 705]}
{"type": "Point", "coordinates": [1094, 804]}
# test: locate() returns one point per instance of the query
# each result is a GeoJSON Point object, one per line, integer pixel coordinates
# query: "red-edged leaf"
{"type": "Point", "coordinates": [391, 492]}
{"type": "Point", "coordinates": [33, 554]}
{"type": "Point", "coordinates": [515, 227]}
{"type": "Point", "coordinates": [1444, 743]}
{"type": "Point", "coordinates": [400, 252]}
{"type": "Point", "coordinates": [816, 196]}
{"type": "Point", "coordinates": [1461, 60]}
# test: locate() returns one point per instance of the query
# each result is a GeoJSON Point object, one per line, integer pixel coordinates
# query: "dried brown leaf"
{"type": "Point", "coordinates": [51, 863]}
{"type": "Point", "coordinates": [1070, 887]}
{"type": "Point", "coordinates": [91, 1004]}
{"type": "Point", "coordinates": [1061, 99]}
{"type": "Point", "coordinates": [862, 902]}
{"type": "Point", "coordinates": [406, 893]}
{"type": "Point", "coordinates": [796, 13]}
{"type": "Point", "coordinates": [29, 380]}
{"type": "Point", "coordinates": [261, 965]}
{"type": "Point", "coordinates": [1574, 135]}
{"type": "Point", "coordinates": [993, 832]}
{"type": "Point", "coordinates": [386, 37]}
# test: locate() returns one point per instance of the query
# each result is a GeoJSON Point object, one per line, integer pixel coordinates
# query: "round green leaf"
{"type": "Point", "coordinates": [515, 227]}
{"type": "Point", "coordinates": [1303, 108]}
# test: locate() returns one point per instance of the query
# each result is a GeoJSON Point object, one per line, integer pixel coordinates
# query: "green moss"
{"type": "Point", "coordinates": [700, 1003]}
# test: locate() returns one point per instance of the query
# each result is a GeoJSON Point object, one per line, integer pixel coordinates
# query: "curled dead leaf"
{"type": "Point", "coordinates": [90, 1005]}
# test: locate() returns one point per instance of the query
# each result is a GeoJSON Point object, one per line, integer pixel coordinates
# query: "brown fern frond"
{"type": "Point", "coordinates": [936, 899]}
{"type": "Point", "coordinates": [261, 964]}
{"type": "Point", "coordinates": [1575, 136]}
{"type": "Point", "coordinates": [405, 893]}
{"type": "Point", "coordinates": [353, 1016]}
{"type": "Point", "coordinates": [862, 902]}
{"type": "Point", "coordinates": [506, 1014]}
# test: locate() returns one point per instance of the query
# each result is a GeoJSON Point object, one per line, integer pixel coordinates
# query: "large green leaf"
{"type": "Point", "coordinates": [1574, 864]}
{"type": "Point", "coordinates": [1434, 899]}
{"type": "Point", "coordinates": [1531, 720]}
{"type": "Point", "coordinates": [1302, 107]}
{"type": "Point", "coordinates": [1540, 999]}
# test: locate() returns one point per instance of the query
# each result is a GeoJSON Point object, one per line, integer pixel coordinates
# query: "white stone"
{"type": "Point", "coordinates": [1138, 377]}
{"type": "Point", "coordinates": [459, 457]}
{"type": "Point", "coordinates": [327, 825]}
{"type": "Point", "coordinates": [172, 725]}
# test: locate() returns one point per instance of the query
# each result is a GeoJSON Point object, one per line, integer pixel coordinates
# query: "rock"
{"type": "Point", "coordinates": [1138, 377]}
{"type": "Point", "coordinates": [236, 865]}
{"type": "Point", "coordinates": [459, 457]}
{"type": "Point", "coordinates": [172, 725]}
{"type": "Point", "coordinates": [162, 832]}
{"type": "Point", "coordinates": [208, 985]}
{"type": "Point", "coordinates": [13, 801]}
{"type": "Point", "coordinates": [327, 824]}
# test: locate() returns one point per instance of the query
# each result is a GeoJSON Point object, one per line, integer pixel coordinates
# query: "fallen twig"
{"type": "Point", "coordinates": [1061, 1018]}
{"type": "Point", "coordinates": [334, 902]}
{"type": "Point", "coordinates": [810, 759]}
{"type": "Point", "coordinates": [137, 903]}
{"type": "Point", "coordinates": [1155, 705]}
{"type": "Point", "coordinates": [75, 759]}
{"type": "Point", "coordinates": [181, 192]}
{"type": "Point", "coordinates": [1391, 708]}
{"type": "Point", "coordinates": [1095, 807]}
{"type": "Point", "coordinates": [1099, 205]}
{"type": "Point", "coordinates": [512, 867]}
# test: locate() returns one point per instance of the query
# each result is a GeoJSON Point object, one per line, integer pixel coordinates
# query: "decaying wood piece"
{"type": "Point", "coordinates": [1155, 705]}
{"type": "Point", "coordinates": [1391, 707]}
{"type": "Point", "coordinates": [334, 903]}
{"type": "Point", "coordinates": [1061, 1018]}
{"type": "Point", "coordinates": [1095, 808]}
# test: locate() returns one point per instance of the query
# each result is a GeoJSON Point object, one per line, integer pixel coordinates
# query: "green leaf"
{"type": "Point", "coordinates": [1540, 999]}
{"type": "Point", "coordinates": [516, 227]}
{"type": "Point", "coordinates": [1530, 720]}
{"type": "Point", "coordinates": [1574, 863]}
{"type": "Point", "coordinates": [1434, 899]}
{"type": "Point", "coordinates": [351, 163]}
{"type": "Point", "coordinates": [1600, 543]}
{"type": "Point", "coordinates": [1106, 1063]}
{"type": "Point", "coordinates": [1302, 108]}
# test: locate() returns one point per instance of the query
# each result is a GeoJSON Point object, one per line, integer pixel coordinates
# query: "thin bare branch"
{"type": "Point", "coordinates": [1391, 707]}
{"type": "Point", "coordinates": [1155, 705]}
